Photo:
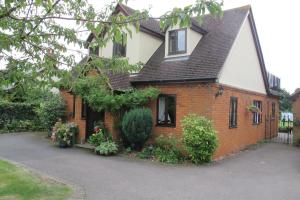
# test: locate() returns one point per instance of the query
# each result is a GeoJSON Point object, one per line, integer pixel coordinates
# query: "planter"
{"type": "Point", "coordinates": [62, 145]}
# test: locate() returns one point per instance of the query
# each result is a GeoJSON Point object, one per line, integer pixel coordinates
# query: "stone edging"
{"type": "Point", "coordinates": [78, 191]}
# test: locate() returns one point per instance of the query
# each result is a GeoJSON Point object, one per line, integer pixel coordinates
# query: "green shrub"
{"type": "Point", "coordinates": [146, 153]}
{"type": "Point", "coordinates": [51, 111]}
{"type": "Point", "coordinates": [167, 151]}
{"type": "Point", "coordinates": [97, 138]}
{"type": "Point", "coordinates": [199, 138]}
{"type": "Point", "coordinates": [17, 116]}
{"type": "Point", "coordinates": [107, 148]}
{"type": "Point", "coordinates": [137, 126]}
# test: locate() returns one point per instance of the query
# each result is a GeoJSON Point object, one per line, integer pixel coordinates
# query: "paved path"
{"type": "Point", "coordinates": [270, 172]}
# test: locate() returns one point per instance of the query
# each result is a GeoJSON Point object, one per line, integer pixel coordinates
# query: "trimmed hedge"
{"type": "Point", "coordinates": [18, 116]}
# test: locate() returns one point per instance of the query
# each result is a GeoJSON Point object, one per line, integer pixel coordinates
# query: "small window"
{"type": "Point", "coordinates": [233, 112]}
{"type": "Point", "coordinates": [257, 116]}
{"type": "Point", "coordinates": [177, 41]}
{"type": "Point", "coordinates": [83, 110]}
{"type": "Point", "coordinates": [94, 51]}
{"type": "Point", "coordinates": [273, 110]}
{"type": "Point", "coordinates": [119, 49]}
{"type": "Point", "coordinates": [166, 110]}
{"type": "Point", "coordinates": [74, 106]}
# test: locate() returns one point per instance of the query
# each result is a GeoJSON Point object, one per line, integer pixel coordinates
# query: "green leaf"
{"type": "Point", "coordinates": [38, 2]}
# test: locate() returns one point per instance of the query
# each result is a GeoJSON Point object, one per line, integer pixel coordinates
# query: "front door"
{"type": "Point", "coordinates": [92, 118]}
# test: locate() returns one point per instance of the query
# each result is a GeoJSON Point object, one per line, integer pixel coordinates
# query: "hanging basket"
{"type": "Point", "coordinates": [253, 109]}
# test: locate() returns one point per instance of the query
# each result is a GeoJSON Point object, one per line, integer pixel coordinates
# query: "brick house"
{"type": "Point", "coordinates": [215, 69]}
{"type": "Point", "coordinates": [295, 97]}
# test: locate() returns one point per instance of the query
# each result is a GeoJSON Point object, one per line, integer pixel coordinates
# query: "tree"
{"type": "Point", "coordinates": [34, 43]}
{"type": "Point", "coordinates": [34, 38]}
{"type": "Point", "coordinates": [285, 103]}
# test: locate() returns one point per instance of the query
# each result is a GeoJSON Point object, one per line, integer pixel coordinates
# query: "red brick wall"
{"type": "Point", "coordinates": [68, 97]}
{"type": "Point", "coordinates": [190, 98]}
{"type": "Point", "coordinates": [200, 99]}
{"type": "Point", "coordinates": [246, 133]}
{"type": "Point", "coordinates": [110, 123]}
{"type": "Point", "coordinates": [296, 107]}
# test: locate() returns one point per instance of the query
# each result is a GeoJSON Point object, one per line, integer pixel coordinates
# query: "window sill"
{"type": "Point", "coordinates": [166, 125]}
{"type": "Point", "coordinates": [256, 124]}
{"type": "Point", "coordinates": [232, 127]}
{"type": "Point", "coordinates": [177, 53]}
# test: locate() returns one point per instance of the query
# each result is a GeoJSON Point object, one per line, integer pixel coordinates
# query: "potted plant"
{"type": "Point", "coordinates": [252, 108]}
{"type": "Point", "coordinates": [63, 134]}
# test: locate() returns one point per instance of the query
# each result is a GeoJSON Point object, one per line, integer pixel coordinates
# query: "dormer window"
{"type": "Point", "coordinates": [177, 41]}
{"type": "Point", "coordinates": [119, 49]}
{"type": "Point", "coordinates": [94, 51]}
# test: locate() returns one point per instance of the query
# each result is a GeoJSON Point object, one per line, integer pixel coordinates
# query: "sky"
{"type": "Point", "coordinates": [277, 25]}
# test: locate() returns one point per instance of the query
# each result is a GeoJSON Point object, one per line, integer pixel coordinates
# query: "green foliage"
{"type": "Point", "coordinates": [296, 122]}
{"type": "Point", "coordinates": [137, 126]}
{"type": "Point", "coordinates": [97, 138]}
{"type": "Point", "coordinates": [167, 151]}
{"type": "Point", "coordinates": [95, 91]}
{"type": "Point", "coordinates": [146, 153]}
{"type": "Point", "coordinates": [51, 111]}
{"type": "Point", "coordinates": [18, 117]}
{"type": "Point", "coordinates": [285, 103]}
{"type": "Point", "coordinates": [18, 183]}
{"type": "Point", "coordinates": [199, 138]}
{"type": "Point", "coordinates": [34, 41]}
{"type": "Point", "coordinates": [107, 148]}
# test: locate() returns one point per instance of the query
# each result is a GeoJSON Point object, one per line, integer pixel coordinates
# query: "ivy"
{"type": "Point", "coordinates": [96, 92]}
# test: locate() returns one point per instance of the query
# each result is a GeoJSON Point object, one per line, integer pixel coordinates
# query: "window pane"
{"type": "Point", "coordinates": [181, 40]}
{"type": "Point", "coordinates": [94, 51]}
{"type": "Point", "coordinates": [119, 49]}
{"type": "Point", "coordinates": [161, 109]}
{"type": "Point", "coordinates": [257, 117]}
{"type": "Point", "coordinates": [233, 112]}
{"type": "Point", "coordinates": [171, 109]}
{"type": "Point", "coordinates": [172, 41]}
{"type": "Point", "coordinates": [83, 110]}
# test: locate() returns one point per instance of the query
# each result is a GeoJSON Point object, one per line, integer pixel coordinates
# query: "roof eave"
{"type": "Point", "coordinates": [259, 51]}
{"type": "Point", "coordinates": [172, 81]}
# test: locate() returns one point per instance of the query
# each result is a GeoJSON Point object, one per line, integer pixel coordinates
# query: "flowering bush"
{"type": "Point", "coordinates": [63, 134]}
{"type": "Point", "coordinates": [97, 138]}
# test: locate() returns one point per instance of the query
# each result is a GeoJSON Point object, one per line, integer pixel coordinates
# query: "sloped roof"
{"type": "Point", "coordinates": [295, 95]}
{"type": "Point", "coordinates": [118, 81]}
{"type": "Point", "coordinates": [208, 57]}
{"type": "Point", "coordinates": [150, 26]}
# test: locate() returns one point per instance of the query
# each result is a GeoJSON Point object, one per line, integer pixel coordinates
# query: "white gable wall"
{"type": "Point", "coordinates": [139, 48]}
{"type": "Point", "coordinates": [242, 68]}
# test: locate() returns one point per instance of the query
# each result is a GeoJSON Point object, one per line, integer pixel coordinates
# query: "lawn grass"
{"type": "Point", "coordinates": [19, 184]}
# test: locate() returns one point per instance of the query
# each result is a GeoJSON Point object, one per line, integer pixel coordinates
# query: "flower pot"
{"type": "Point", "coordinates": [62, 145]}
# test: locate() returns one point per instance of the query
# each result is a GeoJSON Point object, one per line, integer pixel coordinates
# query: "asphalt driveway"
{"type": "Point", "coordinates": [269, 172]}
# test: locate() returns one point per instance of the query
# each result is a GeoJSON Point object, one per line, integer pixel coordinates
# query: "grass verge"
{"type": "Point", "coordinates": [17, 183]}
